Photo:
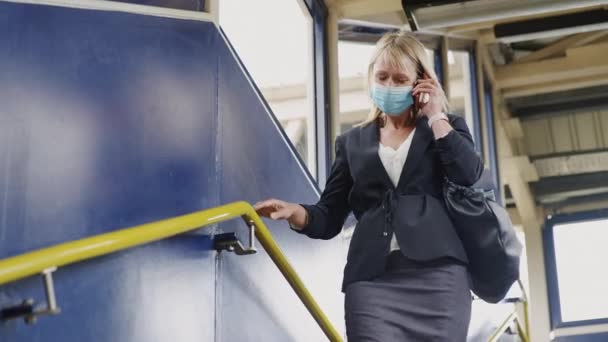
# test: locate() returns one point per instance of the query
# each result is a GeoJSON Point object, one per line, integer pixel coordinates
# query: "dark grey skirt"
{"type": "Point", "coordinates": [411, 302]}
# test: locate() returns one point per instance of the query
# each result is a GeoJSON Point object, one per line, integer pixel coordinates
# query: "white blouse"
{"type": "Point", "coordinates": [393, 161]}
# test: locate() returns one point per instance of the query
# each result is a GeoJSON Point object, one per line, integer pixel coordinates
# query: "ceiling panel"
{"type": "Point", "coordinates": [565, 133]}
{"type": "Point", "coordinates": [537, 135]}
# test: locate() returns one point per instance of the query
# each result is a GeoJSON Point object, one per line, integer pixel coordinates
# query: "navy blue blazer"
{"type": "Point", "coordinates": [414, 210]}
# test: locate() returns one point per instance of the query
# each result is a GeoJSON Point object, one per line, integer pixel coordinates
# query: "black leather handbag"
{"type": "Point", "coordinates": [488, 238]}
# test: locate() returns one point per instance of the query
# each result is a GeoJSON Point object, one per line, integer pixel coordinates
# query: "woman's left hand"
{"type": "Point", "coordinates": [434, 96]}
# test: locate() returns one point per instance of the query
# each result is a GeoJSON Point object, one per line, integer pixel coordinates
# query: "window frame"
{"type": "Point", "coordinates": [476, 113]}
{"type": "Point", "coordinates": [555, 315]}
{"type": "Point", "coordinates": [492, 149]}
{"type": "Point", "coordinates": [476, 130]}
{"type": "Point", "coordinates": [321, 123]}
{"type": "Point", "coordinates": [475, 100]}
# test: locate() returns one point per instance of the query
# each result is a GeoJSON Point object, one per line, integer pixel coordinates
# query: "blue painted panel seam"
{"type": "Point", "coordinates": [217, 299]}
{"type": "Point", "coordinates": [219, 179]}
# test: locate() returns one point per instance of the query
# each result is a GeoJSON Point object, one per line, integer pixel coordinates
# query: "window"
{"type": "Point", "coordinates": [580, 265]}
{"type": "Point", "coordinates": [353, 59]}
{"type": "Point", "coordinates": [277, 52]}
{"type": "Point", "coordinates": [460, 98]}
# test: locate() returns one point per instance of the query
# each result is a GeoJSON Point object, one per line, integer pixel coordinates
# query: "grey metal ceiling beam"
{"type": "Point", "coordinates": [555, 185]}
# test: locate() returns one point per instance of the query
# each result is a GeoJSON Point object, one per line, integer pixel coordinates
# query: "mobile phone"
{"type": "Point", "coordinates": [417, 100]}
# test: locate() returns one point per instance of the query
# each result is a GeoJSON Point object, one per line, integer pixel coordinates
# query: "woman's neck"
{"type": "Point", "coordinates": [398, 122]}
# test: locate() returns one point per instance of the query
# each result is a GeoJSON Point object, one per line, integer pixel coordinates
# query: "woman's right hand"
{"type": "Point", "coordinates": [276, 209]}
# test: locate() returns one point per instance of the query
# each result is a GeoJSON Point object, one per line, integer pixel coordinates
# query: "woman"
{"type": "Point", "coordinates": [406, 276]}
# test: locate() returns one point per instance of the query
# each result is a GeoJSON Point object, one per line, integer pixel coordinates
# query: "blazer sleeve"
{"type": "Point", "coordinates": [461, 162]}
{"type": "Point", "coordinates": [326, 218]}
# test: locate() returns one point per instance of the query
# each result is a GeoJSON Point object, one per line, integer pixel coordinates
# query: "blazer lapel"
{"type": "Point", "coordinates": [422, 138]}
{"type": "Point", "coordinates": [370, 143]}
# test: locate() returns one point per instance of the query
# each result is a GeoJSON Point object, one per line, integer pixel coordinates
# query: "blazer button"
{"type": "Point", "coordinates": [385, 234]}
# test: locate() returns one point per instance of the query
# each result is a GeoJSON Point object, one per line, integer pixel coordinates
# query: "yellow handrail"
{"type": "Point", "coordinates": [522, 332]}
{"type": "Point", "coordinates": [36, 262]}
{"type": "Point", "coordinates": [505, 324]}
{"type": "Point", "coordinates": [524, 301]}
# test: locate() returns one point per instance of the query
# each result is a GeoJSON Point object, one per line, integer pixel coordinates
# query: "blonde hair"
{"type": "Point", "coordinates": [400, 49]}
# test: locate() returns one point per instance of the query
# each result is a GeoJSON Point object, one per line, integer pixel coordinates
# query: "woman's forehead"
{"type": "Point", "coordinates": [394, 64]}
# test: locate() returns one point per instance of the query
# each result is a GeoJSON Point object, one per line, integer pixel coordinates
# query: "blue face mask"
{"type": "Point", "coordinates": [392, 100]}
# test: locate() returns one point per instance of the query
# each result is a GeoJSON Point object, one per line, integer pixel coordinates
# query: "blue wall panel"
{"type": "Point", "coordinates": [107, 120]}
{"type": "Point", "coordinates": [597, 337]}
{"type": "Point", "coordinates": [189, 5]}
{"type": "Point", "coordinates": [257, 163]}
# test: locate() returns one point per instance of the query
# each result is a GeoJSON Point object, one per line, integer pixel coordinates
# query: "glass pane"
{"type": "Point", "coordinates": [431, 55]}
{"type": "Point", "coordinates": [460, 99]}
{"type": "Point", "coordinates": [353, 60]}
{"type": "Point", "coordinates": [273, 38]}
{"type": "Point", "coordinates": [580, 257]}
